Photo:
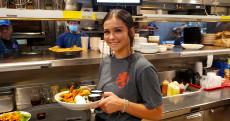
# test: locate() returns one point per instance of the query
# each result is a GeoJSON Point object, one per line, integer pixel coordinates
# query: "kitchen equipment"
{"type": "Point", "coordinates": [55, 112]}
{"type": "Point", "coordinates": [3, 3]}
{"type": "Point", "coordinates": [58, 4]}
{"type": "Point", "coordinates": [187, 76]}
{"type": "Point", "coordinates": [38, 4]}
{"type": "Point", "coordinates": [19, 3]}
{"type": "Point", "coordinates": [87, 24]}
{"type": "Point", "coordinates": [192, 35]}
{"type": "Point", "coordinates": [167, 75]}
{"type": "Point", "coordinates": [7, 101]}
{"type": "Point", "coordinates": [23, 97]}
{"type": "Point", "coordinates": [71, 5]}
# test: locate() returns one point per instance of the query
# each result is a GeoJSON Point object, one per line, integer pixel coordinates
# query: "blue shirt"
{"type": "Point", "coordinates": [8, 46]}
{"type": "Point", "coordinates": [67, 40]}
{"type": "Point", "coordinates": [153, 24]}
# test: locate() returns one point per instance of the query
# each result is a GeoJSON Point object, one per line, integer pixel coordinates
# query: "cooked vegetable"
{"type": "Point", "coordinates": [70, 96]}
{"type": "Point", "coordinates": [71, 49]}
{"type": "Point", "coordinates": [15, 116]}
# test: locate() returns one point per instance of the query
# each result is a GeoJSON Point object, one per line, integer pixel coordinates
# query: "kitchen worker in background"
{"type": "Point", "coordinates": [179, 34]}
{"type": "Point", "coordinates": [71, 37]}
{"type": "Point", "coordinates": [130, 83]}
{"type": "Point", "coordinates": [8, 45]}
{"type": "Point", "coordinates": [215, 27]}
{"type": "Point", "coordinates": [152, 27]}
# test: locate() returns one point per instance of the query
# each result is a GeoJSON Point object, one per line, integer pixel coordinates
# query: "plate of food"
{"type": "Point", "coordinates": [66, 52]}
{"type": "Point", "coordinates": [15, 116]}
{"type": "Point", "coordinates": [78, 99]}
{"type": "Point", "coordinates": [192, 46]}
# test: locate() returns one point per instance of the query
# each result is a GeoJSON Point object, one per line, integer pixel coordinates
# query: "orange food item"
{"type": "Point", "coordinates": [70, 96]}
{"type": "Point", "coordinates": [165, 87]}
{"type": "Point", "coordinates": [11, 116]}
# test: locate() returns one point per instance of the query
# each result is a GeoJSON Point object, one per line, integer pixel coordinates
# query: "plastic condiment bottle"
{"type": "Point", "coordinates": [170, 89]}
{"type": "Point", "coordinates": [165, 87]}
{"type": "Point", "coordinates": [176, 89]}
{"type": "Point", "coordinates": [182, 88]}
{"type": "Point", "coordinates": [227, 70]}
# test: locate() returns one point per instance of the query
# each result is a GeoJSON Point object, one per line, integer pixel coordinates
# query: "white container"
{"type": "Point", "coordinates": [199, 67]}
{"type": "Point", "coordinates": [84, 43]}
{"type": "Point", "coordinates": [140, 40]}
{"type": "Point", "coordinates": [154, 39]}
{"type": "Point", "coordinates": [103, 47]}
{"type": "Point", "coordinates": [162, 48]}
{"type": "Point", "coordinates": [94, 43]}
{"type": "Point", "coordinates": [148, 47]}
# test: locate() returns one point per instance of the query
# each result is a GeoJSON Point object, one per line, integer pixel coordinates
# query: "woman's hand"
{"type": "Point", "coordinates": [111, 103]}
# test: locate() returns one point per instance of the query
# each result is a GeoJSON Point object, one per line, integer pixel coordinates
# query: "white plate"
{"type": "Point", "coordinates": [74, 106]}
{"type": "Point", "coordinates": [169, 46]}
{"type": "Point", "coordinates": [147, 51]}
{"type": "Point", "coordinates": [192, 46]}
{"type": "Point", "coordinates": [25, 115]}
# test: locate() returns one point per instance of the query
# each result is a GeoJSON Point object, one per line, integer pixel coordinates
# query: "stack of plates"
{"type": "Point", "coordinates": [208, 39]}
{"type": "Point", "coordinates": [148, 47]}
{"type": "Point", "coordinates": [137, 43]}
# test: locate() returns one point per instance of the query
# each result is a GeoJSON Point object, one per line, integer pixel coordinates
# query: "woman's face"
{"type": "Point", "coordinates": [116, 35]}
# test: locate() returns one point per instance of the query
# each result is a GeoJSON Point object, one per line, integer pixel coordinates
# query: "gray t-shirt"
{"type": "Point", "coordinates": [132, 78]}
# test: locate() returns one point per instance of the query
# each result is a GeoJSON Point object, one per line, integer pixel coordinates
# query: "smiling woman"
{"type": "Point", "coordinates": [129, 82]}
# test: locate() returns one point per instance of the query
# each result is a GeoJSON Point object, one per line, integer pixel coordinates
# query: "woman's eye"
{"type": "Point", "coordinates": [117, 30]}
{"type": "Point", "coordinates": [106, 32]}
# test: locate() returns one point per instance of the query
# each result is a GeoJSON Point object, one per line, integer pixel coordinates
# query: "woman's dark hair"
{"type": "Point", "coordinates": [124, 16]}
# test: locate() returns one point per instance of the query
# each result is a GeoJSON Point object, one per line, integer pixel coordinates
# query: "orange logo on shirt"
{"type": "Point", "coordinates": [122, 79]}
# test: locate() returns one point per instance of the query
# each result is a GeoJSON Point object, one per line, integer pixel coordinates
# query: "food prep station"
{"type": "Point", "coordinates": [44, 73]}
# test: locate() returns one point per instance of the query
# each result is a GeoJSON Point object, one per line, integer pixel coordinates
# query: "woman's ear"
{"type": "Point", "coordinates": [132, 31]}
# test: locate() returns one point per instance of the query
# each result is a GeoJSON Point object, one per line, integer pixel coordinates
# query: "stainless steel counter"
{"type": "Point", "coordinates": [47, 59]}
{"type": "Point", "coordinates": [178, 105]}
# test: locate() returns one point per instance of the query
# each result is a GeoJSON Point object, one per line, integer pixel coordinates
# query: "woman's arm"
{"type": "Point", "coordinates": [111, 103]}
{"type": "Point", "coordinates": [139, 110]}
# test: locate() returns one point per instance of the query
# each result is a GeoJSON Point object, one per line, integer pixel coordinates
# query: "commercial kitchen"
{"type": "Point", "coordinates": [30, 79]}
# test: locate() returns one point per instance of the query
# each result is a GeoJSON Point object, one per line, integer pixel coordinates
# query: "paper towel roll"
{"type": "Point", "coordinates": [199, 67]}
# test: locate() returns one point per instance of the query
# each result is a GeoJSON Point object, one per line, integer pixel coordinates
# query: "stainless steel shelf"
{"type": "Point", "coordinates": [168, 18]}
{"type": "Point", "coordinates": [48, 60]}
{"type": "Point", "coordinates": [40, 14]}
{"type": "Point", "coordinates": [33, 14]}
{"type": "Point", "coordinates": [183, 104]}
{"type": "Point", "coordinates": [208, 50]}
